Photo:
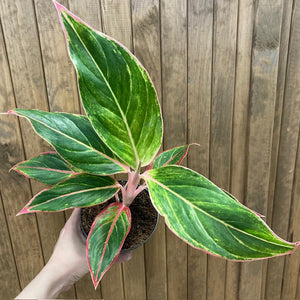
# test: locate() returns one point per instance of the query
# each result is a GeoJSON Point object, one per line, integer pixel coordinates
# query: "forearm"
{"type": "Point", "coordinates": [48, 284]}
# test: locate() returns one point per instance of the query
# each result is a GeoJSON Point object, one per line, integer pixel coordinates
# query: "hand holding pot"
{"type": "Point", "coordinates": [67, 263]}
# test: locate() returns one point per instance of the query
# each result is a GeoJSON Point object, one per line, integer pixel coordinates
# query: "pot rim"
{"type": "Point", "coordinates": [123, 250]}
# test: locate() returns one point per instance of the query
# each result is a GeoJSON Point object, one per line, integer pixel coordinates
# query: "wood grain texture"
{"type": "Point", "coordinates": [265, 57]}
{"type": "Point", "coordinates": [290, 284]}
{"type": "Point", "coordinates": [134, 276]}
{"type": "Point", "coordinates": [15, 188]}
{"type": "Point", "coordinates": [174, 93]}
{"type": "Point", "coordinates": [112, 283]}
{"type": "Point", "coordinates": [224, 52]}
{"type": "Point", "coordinates": [200, 35]}
{"type": "Point", "coordinates": [227, 77]}
{"type": "Point", "coordinates": [146, 45]}
{"type": "Point", "coordinates": [240, 118]}
{"type": "Point", "coordinates": [286, 160]}
{"type": "Point", "coordinates": [116, 20]}
{"type": "Point", "coordinates": [10, 283]}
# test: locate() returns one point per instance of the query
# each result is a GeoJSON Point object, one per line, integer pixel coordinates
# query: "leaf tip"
{"type": "Point", "coordinates": [23, 211]}
{"type": "Point", "coordinates": [58, 6]}
{"type": "Point", "coordinates": [95, 282]}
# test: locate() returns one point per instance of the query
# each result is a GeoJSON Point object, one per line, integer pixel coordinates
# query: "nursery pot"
{"type": "Point", "coordinates": [144, 219]}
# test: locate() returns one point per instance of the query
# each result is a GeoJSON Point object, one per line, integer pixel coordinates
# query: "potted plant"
{"type": "Point", "coordinates": [122, 133]}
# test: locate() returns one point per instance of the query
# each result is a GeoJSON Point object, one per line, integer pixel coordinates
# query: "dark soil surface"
{"type": "Point", "coordinates": [143, 215]}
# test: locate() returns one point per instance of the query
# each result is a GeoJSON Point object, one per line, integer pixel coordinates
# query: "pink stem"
{"type": "Point", "coordinates": [139, 189]}
{"type": "Point", "coordinates": [129, 192]}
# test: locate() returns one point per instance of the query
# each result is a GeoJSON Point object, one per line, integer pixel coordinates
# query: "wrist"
{"type": "Point", "coordinates": [47, 284]}
{"type": "Point", "coordinates": [60, 276]}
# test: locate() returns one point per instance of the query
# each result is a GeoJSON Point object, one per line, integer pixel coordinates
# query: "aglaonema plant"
{"type": "Point", "coordinates": [121, 133]}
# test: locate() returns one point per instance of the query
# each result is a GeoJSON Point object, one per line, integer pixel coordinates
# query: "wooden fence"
{"type": "Point", "coordinates": [228, 77]}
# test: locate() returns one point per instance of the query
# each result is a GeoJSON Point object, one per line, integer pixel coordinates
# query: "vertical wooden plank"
{"type": "Point", "coordinates": [261, 118]}
{"type": "Point", "coordinates": [239, 130]}
{"type": "Point", "coordinates": [134, 276]}
{"type": "Point", "coordinates": [58, 74]}
{"type": "Point", "coordinates": [174, 91]}
{"type": "Point", "coordinates": [292, 262]}
{"type": "Point", "coordinates": [282, 66]}
{"type": "Point", "coordinates": [59, 71]}
{"type": "Point", "coordinates": [286, 159]}
{"type": "Point", "coordinates": [298, 288]}
{"type": "Point", "coordinates": [200, 33]}
{"type": "Point", "coordinates": [89, 11]}
{"type": "Point", "coordinates": [28, 80]}
{"type": "Point", "coordinates": [116, 22]}
{"type": "Point", "coordinates": [146, 41]}
{"type": "Point", "coordinates": [15, 188]}
{"type": "Point", "coordinates": [224, 56]}
{"type": "Point", "coordinates": [10, 284]}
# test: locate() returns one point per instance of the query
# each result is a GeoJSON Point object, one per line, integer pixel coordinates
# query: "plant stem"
{"type": "Point", "coordinates": [129, 191]}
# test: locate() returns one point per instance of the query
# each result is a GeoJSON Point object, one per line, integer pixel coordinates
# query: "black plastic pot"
{"type": "Point", "coordinates": [135, 206]}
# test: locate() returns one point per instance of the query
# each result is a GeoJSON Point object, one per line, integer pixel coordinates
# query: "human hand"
{"type": "Point", "coordinates": [66, 265]}
{"type": "Point", "coordinates": [69, 254]}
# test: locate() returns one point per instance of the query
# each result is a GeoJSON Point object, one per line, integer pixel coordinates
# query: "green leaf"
{"type": "Point", "coordinates": [172, 156]}
{"type": "Point", "coordinates": [79, 191]}
{"type": "Point", "coordinates": [205, 217]}
{"type": "Point", "coordinates": [116, 92]}
{"type": "Point", "coordinates": [106, 238]}
{"type": "Point", "coordinates": [48, 168]}
{"type": "Point", "coordinates": [75, 140]}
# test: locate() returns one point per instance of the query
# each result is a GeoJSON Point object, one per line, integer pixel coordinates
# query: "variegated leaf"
{"type": "Point", "coordinates": [48, 168]}
{"type": "Point", "coordinates": [79, 191]}
{"type": "Point", "coordinates": [106, 238]}
{"type": "Point", "coordinates": [74, 138]}
{"type": "Point", "coordinates": [205, 217]}
{"type": "Point", "coordinates": [116, 92]}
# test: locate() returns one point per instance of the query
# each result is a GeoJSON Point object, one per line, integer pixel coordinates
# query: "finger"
{"type": "Point", "coordinates": [74, 218]}
{"type": "Point", "coordinates": [124, 257]}
{"type": "Point", "coordinates": [73, 221]}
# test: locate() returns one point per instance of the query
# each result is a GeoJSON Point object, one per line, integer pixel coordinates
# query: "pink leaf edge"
{"type": "Point", "coordinates": [61, 8]}
{"type": "Point", "coordinates": [16, 165]}
{"type": "Point", "coordinates": [295, 244]}
{"type": "Point", "coordinates": [25, 209]}
{"type": "Point", "coordinates": [122, 208]}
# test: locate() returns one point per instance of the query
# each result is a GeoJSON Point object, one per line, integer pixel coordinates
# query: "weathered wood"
{"type": "Point", "coordinates": [116, 20]}
{"type": "Point", "coordinates": [224, 52]}
{"type": "Point", "coordinates": [58, 72]}
{"type": "Point", "coordinates": [240, 118]}
{"type": "Point", "coordinates": [265, 57]}
{"type": "Point", "coordinates": [200, 35]}
{"type": "Point", "coordinates": [134, 276]}
{"type": "Point", "coordinates": [88, 11]}
{"type": "Point", "coordinates": [234, 93]}
{"type": "Point", "coordinates": [10, 283]}
{"type": "Point", "coordinates": [112, 283]}
{"type": "Point", "coordinates": [174, 95]}
{"type": "Point", "coordinates": [15, 188]}
{"type": "Point", "coordinates": [146, 42]}
{"type": "Point", "coordinates": [282, 67]}
{"type": "Point", "coordinates": [290, 284]}
{"type": "Point", "coordinates": [286, 159]}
